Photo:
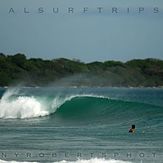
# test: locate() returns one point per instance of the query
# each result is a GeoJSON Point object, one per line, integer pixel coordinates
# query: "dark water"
{"type": "Point", "coordinates": [55, 124]}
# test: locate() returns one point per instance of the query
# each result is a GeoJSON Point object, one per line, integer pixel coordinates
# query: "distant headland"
{"type": "Point", "coordinates": [15, 69]}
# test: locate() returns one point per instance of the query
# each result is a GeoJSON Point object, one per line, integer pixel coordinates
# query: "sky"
{"type": "Point", "coordinates": [32, 28]}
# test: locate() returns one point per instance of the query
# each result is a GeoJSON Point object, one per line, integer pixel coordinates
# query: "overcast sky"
{"type": "Point", "coordinates": [87, 36]}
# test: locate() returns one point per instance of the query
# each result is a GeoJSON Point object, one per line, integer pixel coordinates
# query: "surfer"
{"type": "Point", "coordinates": [132, 129]}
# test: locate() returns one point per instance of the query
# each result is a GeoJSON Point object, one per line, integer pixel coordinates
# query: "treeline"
{"type": "Point", "coordinates": [64, 72]}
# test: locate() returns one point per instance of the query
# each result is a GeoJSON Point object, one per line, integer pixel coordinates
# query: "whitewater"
{"type": "Point", "coordinates": [81, 121]}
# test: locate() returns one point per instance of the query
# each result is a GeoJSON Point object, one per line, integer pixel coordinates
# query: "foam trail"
{"type": "Point", "coordinates": [94, 160]}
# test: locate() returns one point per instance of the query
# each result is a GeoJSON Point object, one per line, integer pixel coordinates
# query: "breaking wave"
{"type": "Point", "coordinates": [13, 104]}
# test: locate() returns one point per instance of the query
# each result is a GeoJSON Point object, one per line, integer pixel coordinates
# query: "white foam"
{"type": "Point", "coordinates": [21, 107]}
{"type": "Point", "coordinates": [93, 160]}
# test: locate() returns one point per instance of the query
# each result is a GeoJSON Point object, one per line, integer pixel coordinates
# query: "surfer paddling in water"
{"type": "Point", "coordinates": [132, 129]}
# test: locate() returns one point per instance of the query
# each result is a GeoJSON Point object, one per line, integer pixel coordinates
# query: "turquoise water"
{"type": "Point", "coordinates": [56, 124]}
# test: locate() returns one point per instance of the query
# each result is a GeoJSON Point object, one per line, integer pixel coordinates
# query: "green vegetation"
{"type": "Point", "coordinates": [64, 72]}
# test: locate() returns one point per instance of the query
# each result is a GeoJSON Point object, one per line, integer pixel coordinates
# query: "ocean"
{"type": "Point", "coordinates": [81, 125]}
